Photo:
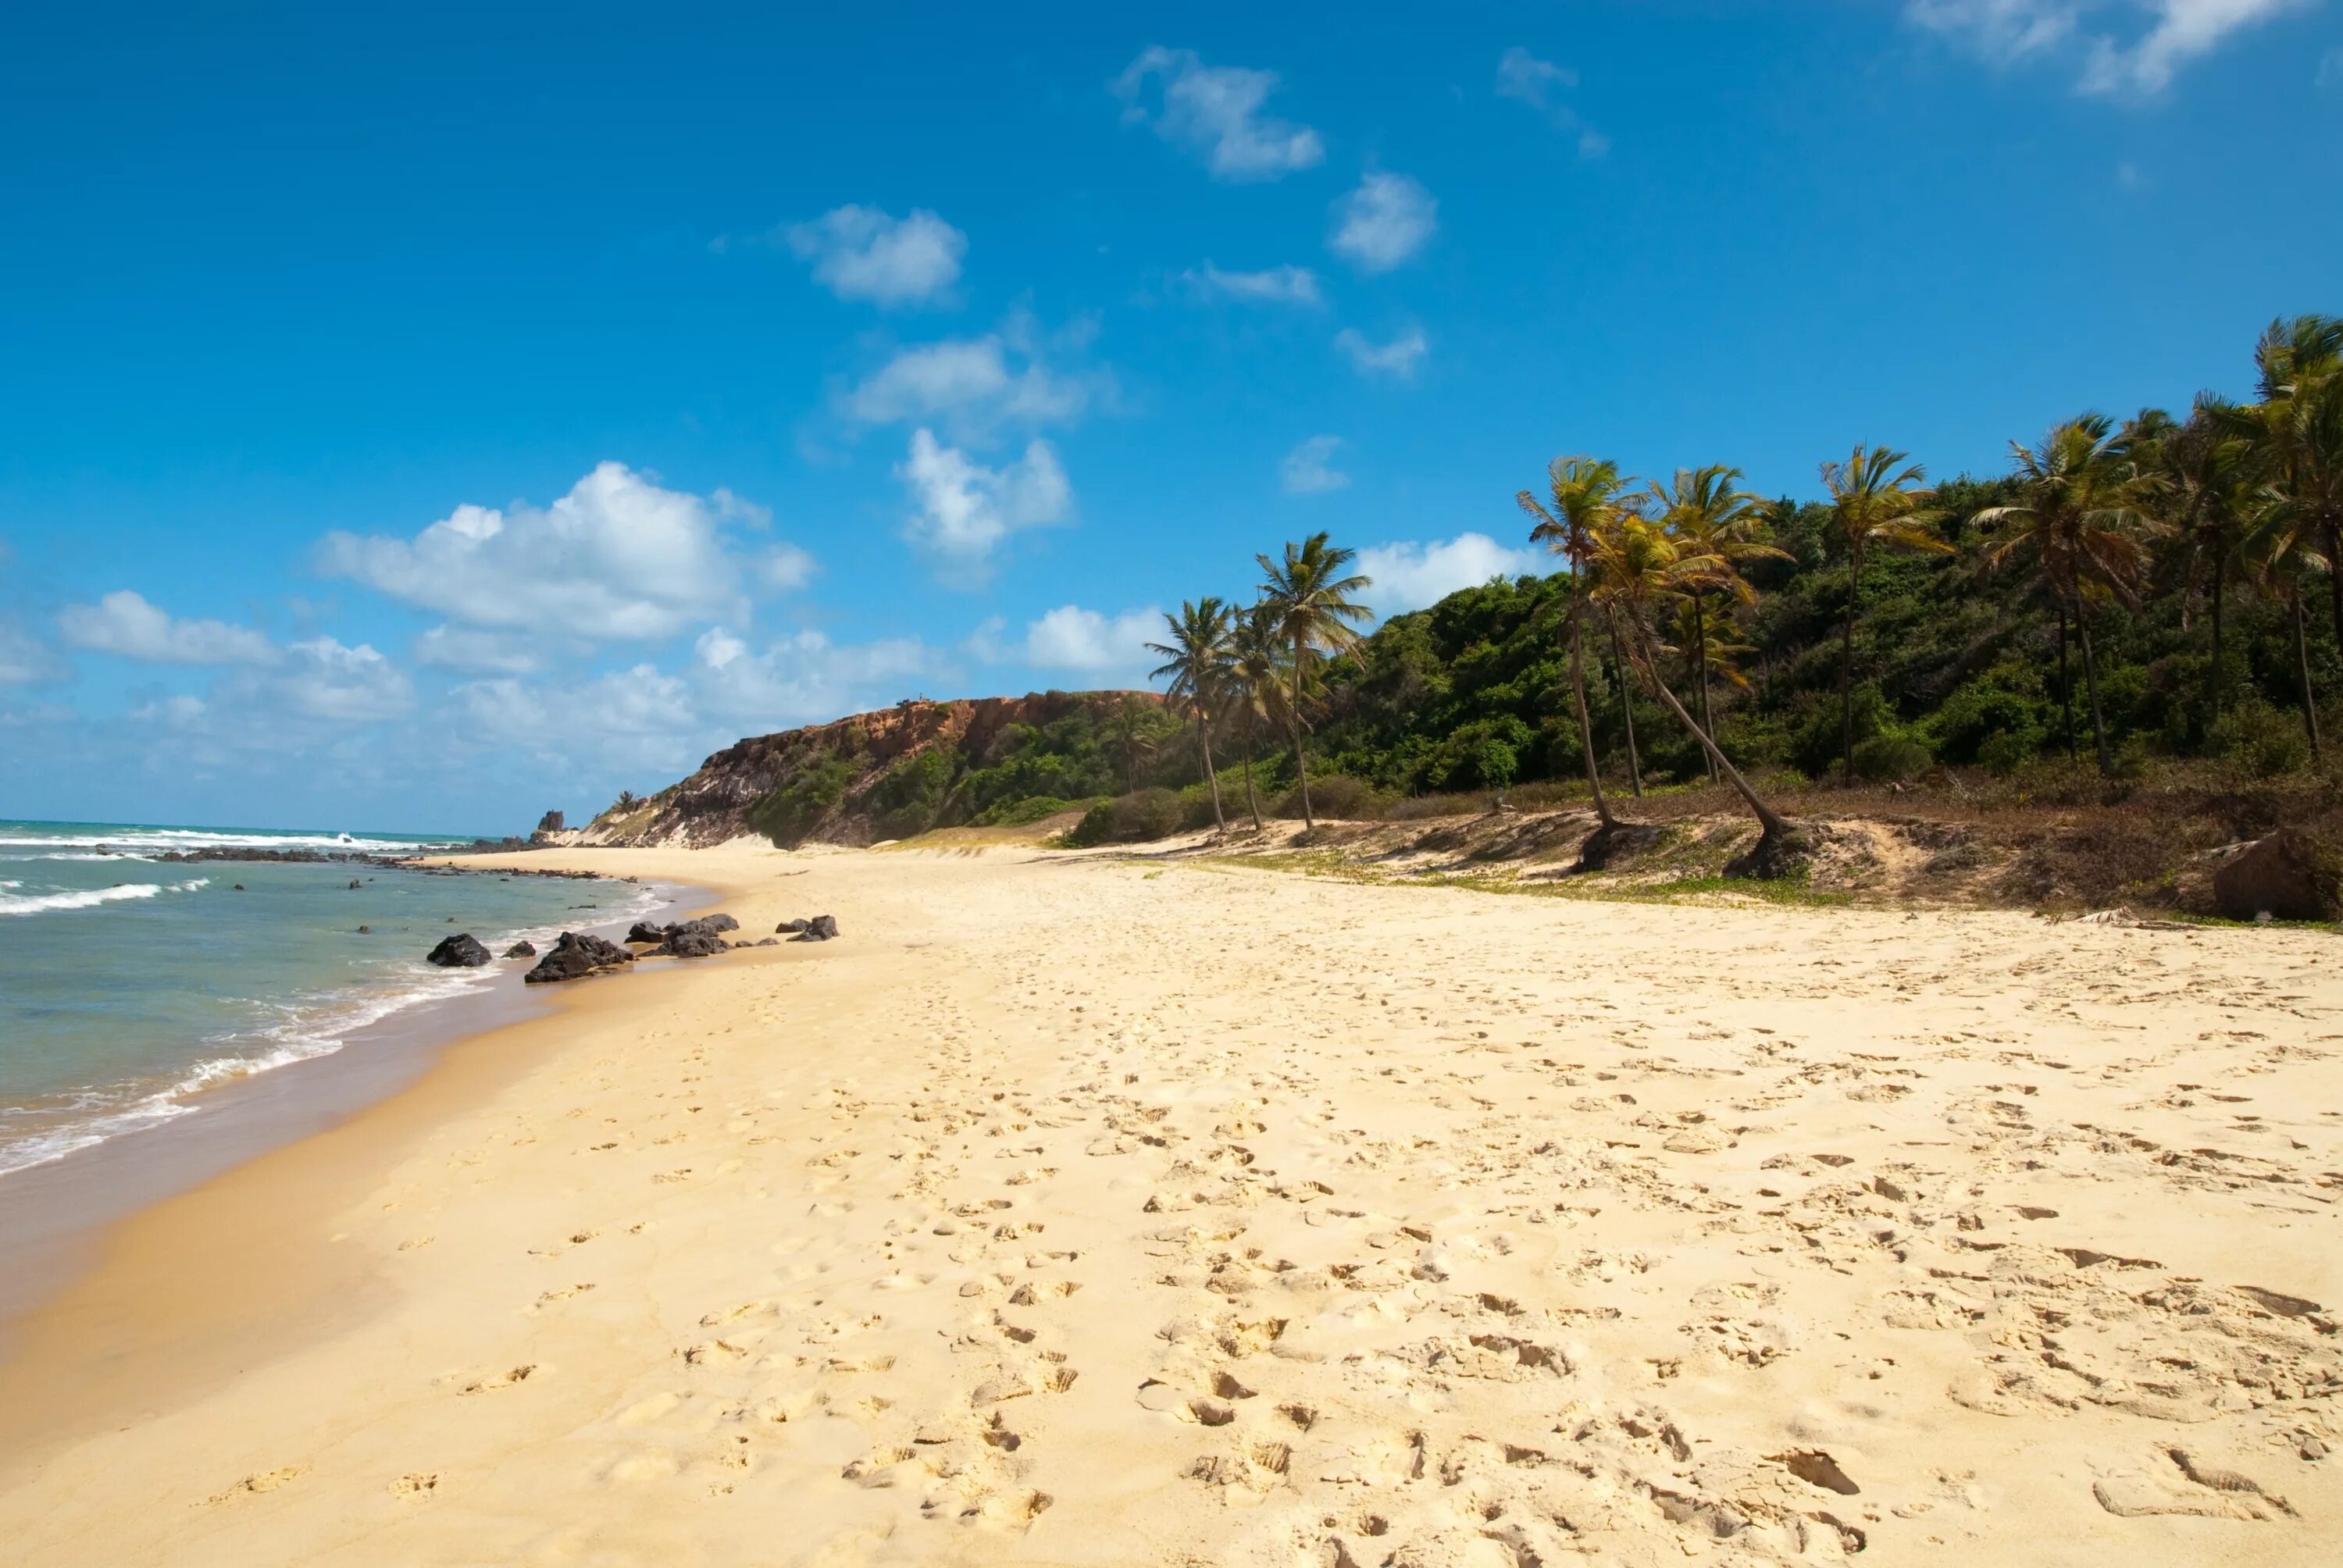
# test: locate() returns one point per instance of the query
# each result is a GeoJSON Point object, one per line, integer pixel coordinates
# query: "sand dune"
{"type": "Point", "coordinates": [1100, 1211]}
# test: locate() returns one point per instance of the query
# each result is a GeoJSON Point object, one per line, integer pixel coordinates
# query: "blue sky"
{"type": "Point", "coordinates": [425, 422]}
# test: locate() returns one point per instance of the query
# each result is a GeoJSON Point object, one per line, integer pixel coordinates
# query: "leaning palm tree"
{"type": "Point", "coordinates": [1586, 491]}
{"type": "Point", "coordinates": [1311, 596]}
{"type": "Point", "coordinates": [1642, 576]}
{"type": "Point", "coordinates": [2083, 523]}
{"type": "Point", "coordinates": [1875, 498]}
{"type": "Point", "coordinates": [1256, 670]}
{"type": "Point", "coordinates": [1196, 663]}
{"type": "Point", "coordinates": [1710, 514]}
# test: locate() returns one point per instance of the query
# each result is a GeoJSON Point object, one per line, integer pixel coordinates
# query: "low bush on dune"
{"type": "Point", "coordinates": [1336, 796]}
{"type": "Point", "coordinates": [1133, 819]}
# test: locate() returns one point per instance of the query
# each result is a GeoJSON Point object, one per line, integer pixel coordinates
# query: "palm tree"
{"type": "Point", "coordinates": [2283, 551]}
{"type": "Point", "coordinates": [1257, 681]}
{"type": "Point", "coordinates": [2082, 520]}
{"type": "Point", "coordinates": [1875, 498]}
{"type": "Point", "coordinates": [1642, 574]}
{"type": "Point", "coordinates": [1315, 614]}
{"type": "Point", "coordinates": [2301, 432]}
{"type": "Point", "coordinates": [1710, 514]}
{"type": "Point", "coordinates": [2196, 477]}
{"type": "Point", "coordinates": [1197, 660]}
{"type": "Point", "coordinates": [1584, 490]}
{"type": "Point", "coordinates": [1131, 737]}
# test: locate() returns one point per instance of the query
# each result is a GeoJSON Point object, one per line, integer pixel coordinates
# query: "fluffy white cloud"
{"type": "Point", "coordinates": [965, 508]}
{"type": "Point", "coordinates": [863, 253]}
{"type": "Point", "coordinates": [1215, 112]}
{"type": "Point", "coordinates": [617, 558]}
{"type": "Point", "coordinates": [641, 720]}
{"type": "Point", "coordinates": [1072, 638]}
{"type": "Point", "coordinates": [1398, 358]}
{"type": "Point", "coordinates": [324, 679]}
{"type": "Point", "coordinates": [802, 678]}
{"type": "Point", "coordinates": [1522, 76]}
{"type": "Point", "coordinates": [1270, 286]}
{"type": "Point", "coordinates": [1408, 575]}
{"type": "Point", "coordinates": [974, 386]}
{"type": "Point", "coordinates": [466, 647]}
{"type": "Point", "coordinates": [1384, 221]}
{"type": "Point", "coordinates": [123, 623]}
{"type": "Point", "coordinates": [1309, 470]}
{"type": "Point", "coordinates": [2006, 32]}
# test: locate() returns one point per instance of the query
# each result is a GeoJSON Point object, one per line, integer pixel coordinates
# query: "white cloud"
{"type": "Point", "coordinates": [347, 685]}
{"type": "Point", "coordinates": [466, 648]}
{"type": "Point", "coordinates": [863, 253]}
{"type": "Point", "coordinates": [2007, 32]}
{"type": "Point", "coordinates": [1215, 111]}
{"type": "Point", "coordinates": [1072, 638]}
{"type": "Point", "coordinates": [24, 657]}
{"type": "Point", "coordinates": [801, 678]}
{"type": "Point", "coordinates": [1523, 76]}
{"type": "Point", "coordinates": [1398, 358]}
{"type": "Point", "coordinates": [965, 508]}
{"type": "Point", "coordinates": [1271, 286]}
{"type": "Point", "coordinates": [617, 558]}
{"type": "Point", "coordinates": [1308, 470]}
{"type": "Point", "coordinates": [1409, 575]}
{"type": "Point", "coordinates": [2184, 30]}
{"type": "Point", "coordinates": [975, 386]}
{"type": "Point", "coordinates": [639, 720]}
{"type": "Point", "coordinates": [180, 712]}
{"type": "Point", "coordinates": [1384, 221]}
{"type": "Point", "coordinates": [123, 623]}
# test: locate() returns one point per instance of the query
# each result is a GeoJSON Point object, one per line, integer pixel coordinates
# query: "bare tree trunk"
{"type": "Point", "coordinates": [2302, 664]}
{"type": "Point", "coordinates": [1767, 818]}
{"type": "Point", "coordinates": [1204, 738]}
{"type": "Point", "coordinates": [1585, 726]}
{"type": "Point", "coordinates": [2065, 681]}
{"type": "Point", "coordinates": [1847, 674]}
{"type": "Point", "coordinates": [2335, 576]}
{"type": "Point", "coordinates": [2091, 680]}
{"type": "Point", "coordinates": [1626, 707]}
{"type": "Point", "coordinates": [1294, 723]}
{"type": "Point", "coordinates": [1252, 752]}
{"type": "Point", "coordinates": [1700, 654]}
{"type": "Point", "coordinates": [2221, 592]}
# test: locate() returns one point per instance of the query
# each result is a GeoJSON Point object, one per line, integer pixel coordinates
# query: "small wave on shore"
{"type": "Point", "coordinates": [16, 903]}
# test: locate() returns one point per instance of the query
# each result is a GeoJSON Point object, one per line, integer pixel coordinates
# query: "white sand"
{"type": "Point", "coordinates": [1085, 1211]}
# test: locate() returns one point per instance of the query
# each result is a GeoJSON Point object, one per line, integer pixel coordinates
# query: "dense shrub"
{"type": "Point", "coordinates": [1890, 760]}
{"type": "Point", "coordinates": [1337, 797]}
{"type": "Point", "coordinates": [2260, 740]}
{"type": "Point", "coordinates": [817, 781]}
{"type": "Point", "coordinates": [1135, 818]}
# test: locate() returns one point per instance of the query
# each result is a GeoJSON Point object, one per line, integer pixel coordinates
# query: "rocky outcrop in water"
{"type": "Point", "coordinates": [461, 951]}
{"type": "Point", "coordinates": [576, 955]}
{"type": "Point", "coordinates": [521, 950]}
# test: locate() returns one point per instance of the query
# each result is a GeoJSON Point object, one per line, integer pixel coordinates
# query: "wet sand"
{"type": "Point", "coordinates": [1094, 1210]}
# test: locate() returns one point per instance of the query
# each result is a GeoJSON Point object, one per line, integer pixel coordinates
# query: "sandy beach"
{"type": "Point", "coordinates": [1104, 1209]}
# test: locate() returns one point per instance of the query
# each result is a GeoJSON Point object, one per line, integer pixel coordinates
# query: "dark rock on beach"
{"type": "Point", "coordinates": [718, 922]}
{"type": "Point", "coordinates": [683, 943]}
{"type": "Point", "coordinates": [797, 925]}
{"type": "Point", "coordinates": [645, 932]}
{"type": "Point", "coordinates": [820, 928]}
{"type": "Point", "coordinates": [576, 955]}
{"type": "Point", "coordinates": [459, 951]}
{"type": "Point", "coordinates": [521, 950]}
{"type": "Point", "coordinates": [2291, 875]}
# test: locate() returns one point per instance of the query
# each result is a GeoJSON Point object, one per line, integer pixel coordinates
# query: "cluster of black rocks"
{"type": "Point", "coordinates": [576, 955]}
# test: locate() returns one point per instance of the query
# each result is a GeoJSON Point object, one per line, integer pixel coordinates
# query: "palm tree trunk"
{"type": "Point", "coordinates": [1585, 726]}
{"type": "Point", "coordinates": [2335, 576]}
{"type": "Point", "coordinates": [1846, 675]}
{"type": "Point", "coordinates": [1252, 750]}
{"type": "Point", "coordinates": [2091, 680]}
{"type": "Point", "coordinates": [2221, 592]}
{"type": "Point", "coordinates": [1204, 738]}
{"type": "Point", "coordinates": [2065, 681]}
{"type": "Point", "coordinates": [1294, 723]}
{"type": "Point", "coordinates": [1626, 707]}
{"type": "Point", "coordinates": [1767, 818]}
{"type": "Point", "coordinates": [2302, 664]}
{"type": "Point", "coordinates": [1700, 653]}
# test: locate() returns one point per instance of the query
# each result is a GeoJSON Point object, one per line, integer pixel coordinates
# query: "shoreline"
{"type": "Point", "coordinates": [55, 1214]}
{"type": "Point", "coordinates": [1088, 1208]}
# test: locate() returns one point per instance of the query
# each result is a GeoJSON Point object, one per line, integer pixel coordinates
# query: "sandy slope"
{"type": "Point", "coordinates": [1101, 1211]}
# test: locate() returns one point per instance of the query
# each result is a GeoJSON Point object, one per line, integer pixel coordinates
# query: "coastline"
{"type": "Point", "coordinates": [1083, 1208]}
{"type": "Point", "coordinates": [54, 1214]}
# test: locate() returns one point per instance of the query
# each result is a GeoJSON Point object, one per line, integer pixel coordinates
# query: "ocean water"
{"type": "Point", "coordinates": [129, 985]}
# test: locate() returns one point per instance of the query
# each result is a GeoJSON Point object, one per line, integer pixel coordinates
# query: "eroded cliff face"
{"type": "Point", "coordinates": [722, 800]}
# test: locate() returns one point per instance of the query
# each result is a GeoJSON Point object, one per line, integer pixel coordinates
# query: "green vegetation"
{"type": "Point", "coordinates": [2149, 587]}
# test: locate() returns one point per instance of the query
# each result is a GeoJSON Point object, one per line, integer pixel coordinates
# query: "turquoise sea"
{"type": "Point", "coordinates": [129, 985]}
